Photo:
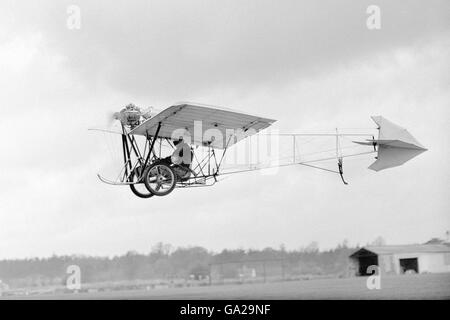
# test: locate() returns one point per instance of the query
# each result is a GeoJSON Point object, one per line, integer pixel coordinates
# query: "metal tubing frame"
{"type": "Point", "coordinates": [200, 177]}
{"type": "Point", "coordinates": [152, 145]}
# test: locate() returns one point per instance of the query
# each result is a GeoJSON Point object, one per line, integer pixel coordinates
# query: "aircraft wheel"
{"type": "Point", "coordinates": [160, 179]}
{"type": "Point", "coordinates": [139, 189]}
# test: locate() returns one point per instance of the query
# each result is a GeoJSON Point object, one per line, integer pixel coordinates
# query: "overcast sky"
{"type": "Point", "coordinates": [309, 64]}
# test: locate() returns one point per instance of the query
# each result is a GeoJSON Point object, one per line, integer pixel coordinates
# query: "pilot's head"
{"type": "Point", "coordinates": [177, 142]}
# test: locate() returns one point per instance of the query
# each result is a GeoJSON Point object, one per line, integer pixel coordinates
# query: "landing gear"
{"type": "Point", "coordinates": [139, 187]}
{"type": "Point", "coordinates": [160, 179]}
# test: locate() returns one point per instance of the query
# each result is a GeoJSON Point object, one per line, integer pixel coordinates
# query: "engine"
{"type": "Point", "coordinates": [131, 115]}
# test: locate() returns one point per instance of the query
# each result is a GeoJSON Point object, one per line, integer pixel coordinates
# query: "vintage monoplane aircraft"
{"type": "Point", "coordinates": [200, 136]}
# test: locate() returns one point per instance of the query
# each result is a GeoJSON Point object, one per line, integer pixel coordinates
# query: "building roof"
{"type": "Point", "coordinates": [413, 248]}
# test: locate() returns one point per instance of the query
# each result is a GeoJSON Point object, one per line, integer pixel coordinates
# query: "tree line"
{"type": "Point", "coordinates": [165, 262]}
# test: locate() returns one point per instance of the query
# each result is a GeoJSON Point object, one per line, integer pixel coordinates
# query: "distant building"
{"type": "Point", "coordinates": [425, 258]}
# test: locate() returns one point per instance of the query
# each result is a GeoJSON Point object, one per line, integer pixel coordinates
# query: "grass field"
{"type": "Point", "coordinates": [429, 286]}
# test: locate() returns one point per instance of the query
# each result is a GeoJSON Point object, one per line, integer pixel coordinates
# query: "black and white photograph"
{"type": "Point", "coordinates": [204, 151]}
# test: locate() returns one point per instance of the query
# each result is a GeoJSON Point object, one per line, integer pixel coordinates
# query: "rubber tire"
{"type": "Point", "coordinates": [137, 192]}
{"type": "Point", "coordinates": [147, 184]}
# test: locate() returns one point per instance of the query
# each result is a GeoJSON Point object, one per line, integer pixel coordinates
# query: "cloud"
{"type": "Point", "coordinates": [171, 49]}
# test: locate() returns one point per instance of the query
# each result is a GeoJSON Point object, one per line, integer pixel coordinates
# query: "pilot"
{"type": "Point", "coordinates": [182, 155]}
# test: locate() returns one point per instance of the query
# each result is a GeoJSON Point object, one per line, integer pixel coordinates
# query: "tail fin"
{"type": "Point", "coordinates": [395, 145]}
